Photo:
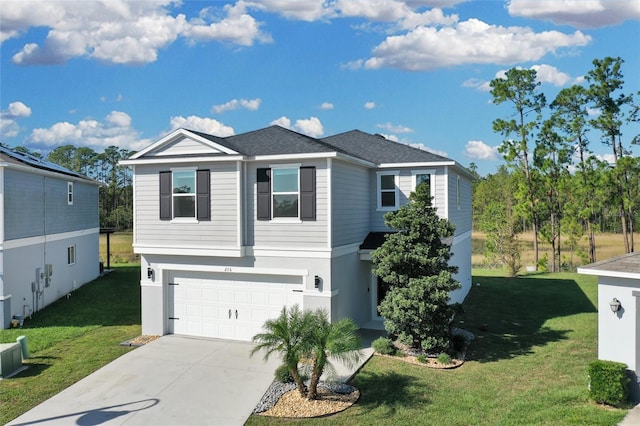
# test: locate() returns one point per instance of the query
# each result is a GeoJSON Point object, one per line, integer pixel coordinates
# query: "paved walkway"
{"type": "Point", "coordinates": [632, 418]}
{"type": "Point", "coordinates": [172, 381]}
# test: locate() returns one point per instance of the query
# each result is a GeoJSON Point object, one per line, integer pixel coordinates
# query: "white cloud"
{"type": "Point", "coordinates": [309, 10]}
{"type": "Point", "coordinates": [544, 74]}
{"type": "Point", "coordinates": [326, 106]}
{"type": "Point", "coordinates": [310, 126]}
{"type": "Point", "coordinates": [550, 74]}
{"type": "Point", "coordinates": [480, 151]}
{"type": "Point", "coordinates": [369, 105]}
{"type": "Point", "coordinates": [202, 124]}
{"type": "Point", "coordinates": [115, 130]}
{"type": "Point", "coordinates": [468, 42]}
{"type": "Point", "coordinates": [578, 13]}
{"type": "Point", "coordinates": [8, 119]}
{"type": "Point", "coordinates": [117, 31]}
{"type": "Point", "coordinates": [394, 128]}
{"type": "Point", "coordinates": [250, 104]}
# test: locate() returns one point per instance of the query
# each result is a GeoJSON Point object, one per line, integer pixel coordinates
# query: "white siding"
{"type": "Point", "coordinates": [351, 198]}
{"type": "Point", "coordinates": [460, 215]}
{"type": "Point", "coordinates": [220, 231]}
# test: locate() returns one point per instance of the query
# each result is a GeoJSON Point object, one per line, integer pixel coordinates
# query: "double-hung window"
{"type": "Point", "coordinates": [285, 184]}
{"type": "Point", "coordinates": [70, 193]}
{"type": "Point", "coordinates": [388, 191]}
{"type": "Point", "coordinates": [286, 192]}
{"type": "Point", "coordinates": [185, 194]}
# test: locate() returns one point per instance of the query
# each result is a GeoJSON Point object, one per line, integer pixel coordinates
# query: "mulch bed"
{"type": "Point", "coordinates": [292, 405]}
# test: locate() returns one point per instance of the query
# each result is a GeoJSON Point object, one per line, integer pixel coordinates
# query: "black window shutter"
{"type": "Point", "coordinates": [307, 193]}
{"type": "Point", "coordinates": [203, 194]}
{"type": "Point", "coordinates": [263, 194]}
{"type": "Point", "coordinates": [165, 196]}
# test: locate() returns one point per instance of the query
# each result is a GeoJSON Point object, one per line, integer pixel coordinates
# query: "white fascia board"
{"type": "Point", "coordinates": [184, 133]}
{"type": "Point", "coordinates": [425, 164]}
{"type": "Point", "coordinates": [50, 173]}
{"type": "Point", "coordinates": [605, 273]}
{"type": "Point", "coordinates": [230, 269]}
{"type": "Point", "coordinates": [178, 160]}
{"type": "Point", "coordinates": [188, 251]}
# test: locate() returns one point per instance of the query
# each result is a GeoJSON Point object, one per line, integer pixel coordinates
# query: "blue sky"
{"type": "Point", "coordinates": [121, 73]}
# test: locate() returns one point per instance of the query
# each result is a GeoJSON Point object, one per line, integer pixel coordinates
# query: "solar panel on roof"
{"type": "Point", "coordinates": [38, 162]}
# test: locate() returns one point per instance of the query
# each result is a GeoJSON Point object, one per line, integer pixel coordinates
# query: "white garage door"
{"type": "Point", "coordinates": [228, 306]}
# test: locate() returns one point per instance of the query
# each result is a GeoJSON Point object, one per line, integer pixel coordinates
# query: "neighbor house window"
{"type": "Point", "coordinates": [388, 191]}
{"type": "Point", "coordinates": [69, 193]}
{"type": "Point", "coordinates": [185, 194]}
{"type": "Point", "coordinates": [71, 255]}
{"type": "Point", "coordinates": [286, 192]}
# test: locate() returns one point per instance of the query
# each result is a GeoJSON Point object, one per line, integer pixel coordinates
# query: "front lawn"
{"type": "Point", "coordinates": [535, 337]}
{"type": "Point", "coordinates": [73, 337]}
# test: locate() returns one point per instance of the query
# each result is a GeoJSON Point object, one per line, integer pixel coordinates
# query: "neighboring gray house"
{"type": "Point", "coordinates": [619, 331]}
{"type": "Point", "coordinates": [49, 233]}
{"type": "Point", "coordinates": [232, 229]}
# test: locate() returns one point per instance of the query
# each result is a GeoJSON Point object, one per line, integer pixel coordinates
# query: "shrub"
{"type": "Point", "coordinates": [608, 382]}
{"type": "Point", "coordinates": [283, 375]}
{"type": "Point", "coordinates": [421, 358]}
{"type": "Point", "coordinates": [384, 345]}
{"type": "Point", "coordinates": [444, 359]}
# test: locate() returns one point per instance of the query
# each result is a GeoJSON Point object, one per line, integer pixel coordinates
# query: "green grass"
{"type": "Point", "coordinates": [535, 337]}
{"type": "Point", "coordinates": [73, 337]}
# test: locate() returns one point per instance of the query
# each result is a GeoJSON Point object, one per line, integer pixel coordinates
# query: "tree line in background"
{"type": "Point", "coordinates": [116, 192]}
{"type": "Point", "coordinates": [552, 183]}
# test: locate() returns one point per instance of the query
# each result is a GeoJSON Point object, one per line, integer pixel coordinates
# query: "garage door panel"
{"type": "Point", "coordinates": [206, 303]}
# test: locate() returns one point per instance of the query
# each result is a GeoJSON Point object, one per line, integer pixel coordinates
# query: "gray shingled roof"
{"type": "Point", "coordinates": [627, 263]}
{"type": "Point", "coordinates": [273, 140]}
{"type": "Point", "coordinates": [11, 156]}
{"type": "Point", "coordinates": [377, 149]}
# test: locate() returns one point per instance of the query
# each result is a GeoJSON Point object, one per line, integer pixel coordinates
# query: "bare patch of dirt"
{"type": "Point", "coordinates": [292, 405]}
{"type": "Point", "coordinates": [140, 340]}
{"type": "Point", "coordinates": [428, 362]}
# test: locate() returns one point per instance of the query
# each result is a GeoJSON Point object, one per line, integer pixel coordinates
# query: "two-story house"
{"type": "Point", "coordinates": [49, 233]}
{"type": "Point", "coordinates": [230, 230]}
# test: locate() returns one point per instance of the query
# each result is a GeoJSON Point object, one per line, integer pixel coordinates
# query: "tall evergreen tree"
{"type": "Point", "coordinates": [519, 87]}
{"type": "Point", "coordinates": [413, 264]}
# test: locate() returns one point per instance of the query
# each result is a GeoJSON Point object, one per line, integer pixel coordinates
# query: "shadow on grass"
{"type": "Point", "coordinates": [388, 392]}
{"type": "Point", "coordinates": [113, 299]}
{"type": "Point", "coordinates": [508, 316]}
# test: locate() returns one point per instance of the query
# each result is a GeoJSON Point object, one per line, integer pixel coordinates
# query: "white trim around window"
{"type": "Point", "coordinates": [70, 193]}
{"type": "Point", "coordinates": [71, 255]}
{"type": "Point", "coordinates": [432, 181]}
{"type": "Point", "coordinates": [384, 191]}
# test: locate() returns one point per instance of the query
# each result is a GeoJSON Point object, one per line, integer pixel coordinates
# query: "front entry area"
{"type": "Point", "coordinates": [227, 305]}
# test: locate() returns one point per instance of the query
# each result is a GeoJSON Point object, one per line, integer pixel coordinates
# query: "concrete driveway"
{"type": "Point", "coordinates": [172, 381]}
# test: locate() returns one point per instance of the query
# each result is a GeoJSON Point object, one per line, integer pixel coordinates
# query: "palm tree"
{"type": "Point", "coordinates": [287, 335]}
{"type": "Point", "coordinates": [339, 340]}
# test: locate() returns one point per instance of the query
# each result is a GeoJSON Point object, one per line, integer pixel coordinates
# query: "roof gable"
{"type": "Point", "coordinates": [276, 140]}
{"type": "Point", "coordinates": [185, 142]}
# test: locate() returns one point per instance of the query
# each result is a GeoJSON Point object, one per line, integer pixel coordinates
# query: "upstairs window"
{"type": "Point", "coordinates": [71, 255]}
{"type": "Point", "coordinates": [426, 177]}
{"type": "Point", "coordinates": [286, 192]}
{"type": "Point", "coordinates": [70, 193]}
{"type": "Point", "coordinates": [388, 191]}
{"type": "Point", "coordinates": [185, 194]}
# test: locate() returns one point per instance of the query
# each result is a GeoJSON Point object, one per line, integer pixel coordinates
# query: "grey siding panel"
{"type": "Point", "coordinates": [405, 182]}
{"type": "Point", "coordinates": [220, 231]}
{"type": "Point", "coordinates": [309, 234]}
{"type": "Point", "coordinates": [460, 217]}
{"type": "Point", "coordinates": [36, 205]}
{"type": "Point", "coordinates": [351, 198]}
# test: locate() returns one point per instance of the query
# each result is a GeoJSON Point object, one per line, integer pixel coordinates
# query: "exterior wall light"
{"type": "Point", "coordinates": [317, 281]}
{"type": "Point", "coordinates": [150, 274]}
{"type": "Point", "coordinates": [615, 305]}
